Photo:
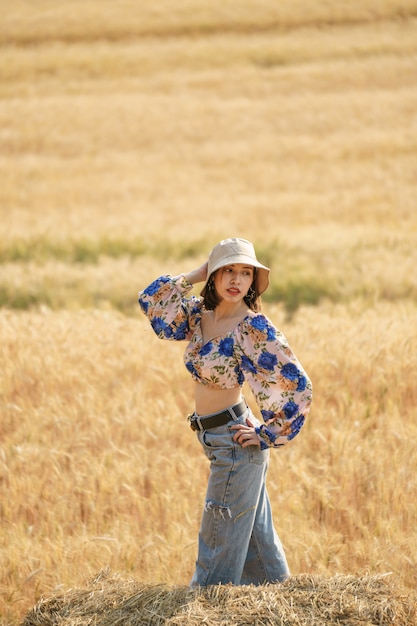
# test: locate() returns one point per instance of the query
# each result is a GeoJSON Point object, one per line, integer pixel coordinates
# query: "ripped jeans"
{"type": "Point", "coordinates": [237, 541]}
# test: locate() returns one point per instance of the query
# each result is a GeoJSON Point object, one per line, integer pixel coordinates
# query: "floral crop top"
{"type": "Point", "coordinates": [255, 351]}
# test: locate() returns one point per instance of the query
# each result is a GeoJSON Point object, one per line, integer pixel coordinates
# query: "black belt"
{"type": "Point", "coordinates": [218, 419]}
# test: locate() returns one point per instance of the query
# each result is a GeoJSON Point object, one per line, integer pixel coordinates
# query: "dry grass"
{"type": "Point", "coordinates": [300, 601]}
{"type": "Point", "coordinates": [130, 142]}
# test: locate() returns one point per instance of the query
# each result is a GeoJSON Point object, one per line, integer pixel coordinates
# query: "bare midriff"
{"type": "Point", "coordinates": [209, 400]}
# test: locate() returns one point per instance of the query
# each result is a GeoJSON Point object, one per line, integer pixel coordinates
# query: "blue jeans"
{"type": "Point", "coordinates": [237, 541]}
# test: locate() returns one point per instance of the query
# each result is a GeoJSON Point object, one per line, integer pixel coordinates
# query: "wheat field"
{"type": "Point", "coordinates": [132, 139]}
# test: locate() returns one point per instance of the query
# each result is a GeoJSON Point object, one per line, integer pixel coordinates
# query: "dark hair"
{"type": "Point", "coordinates": [211, 299]}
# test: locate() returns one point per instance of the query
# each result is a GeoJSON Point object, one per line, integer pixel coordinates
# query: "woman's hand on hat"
{"type": "Point", "coordinates": [198, 275]}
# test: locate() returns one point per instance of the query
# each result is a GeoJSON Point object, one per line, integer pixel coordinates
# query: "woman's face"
{"type": "Point", "coordinates": [232, 282]}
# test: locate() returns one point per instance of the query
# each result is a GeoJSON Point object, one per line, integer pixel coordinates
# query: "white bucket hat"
{"type": "Point", "coordinates": [236, 250]}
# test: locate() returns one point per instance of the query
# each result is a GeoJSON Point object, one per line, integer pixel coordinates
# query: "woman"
{"type": "Point", "coordinates": [229, 342]}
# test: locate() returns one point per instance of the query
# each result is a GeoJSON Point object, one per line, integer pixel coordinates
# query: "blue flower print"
{"type": "Point", "coordinates": [206, 349]}
{"type": "Point", "coordinates": [267, 360]}
{"type": "Point", "coordinates": [271, 436]}
{"type": "Point", "coordinates": [181, 331]}
{"type": "Point", "coordinates": [195, 311]}
{"type": "Point", "coordinates": [290, 409]}
{"type": "Point", "coordinates": [267, 415]}
{"type": "Point", "coordinates": [226, 347]}
{"type": "Point", "coordinates": [272, 335]}
{"type": "Point", "coordinates": [240, 376]}
{"type": "Point", "coordinates": [254, 351]}
{"type": "Point", "coordinates": [144, 305]}
{"type": "Point", "coordinates": [159, 326]}
{"type": "Point", "coordinates": [190, 367]}
{"type": "Point", "coordinates": [259, 322]}
{"type": "Point", "coordinates": [153, 287]}
{"type": "Point", "coordinates": [168, 332]}
{"type": "Point", "coordinates": [302, 383]}
{"type": "Point", "coordinates": [247, 365]}
{"type": "Point", "coordinates": [290, 371]}
{"type": "Point", "coordinates": [296, 426]}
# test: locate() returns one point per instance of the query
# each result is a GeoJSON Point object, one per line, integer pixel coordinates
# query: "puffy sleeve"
{"type": "Point", "coordinates": [169, 311]}
{"type": "Point", "coordinates": [281, 387]}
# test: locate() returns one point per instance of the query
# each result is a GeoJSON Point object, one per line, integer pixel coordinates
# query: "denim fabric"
{"type": "Point", "coordinates": [237, 541]}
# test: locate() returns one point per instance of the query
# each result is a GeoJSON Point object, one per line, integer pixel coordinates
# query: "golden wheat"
{"type": "Point", "coordinates": [130, 143]}
{"type": "Point", "coordinates": [101, 469]}
{"type": "Point", "coordinates": [326, 133]}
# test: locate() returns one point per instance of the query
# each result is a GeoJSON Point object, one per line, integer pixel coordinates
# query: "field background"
{"type": "Point", "coordinates": [133, 137]}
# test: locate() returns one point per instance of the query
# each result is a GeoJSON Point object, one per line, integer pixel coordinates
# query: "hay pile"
{"type": "Point", "coordinates": [300, 601]}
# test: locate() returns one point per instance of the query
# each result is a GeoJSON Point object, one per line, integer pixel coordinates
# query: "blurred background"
{"type": "Point", "coordinates": [134, 133]}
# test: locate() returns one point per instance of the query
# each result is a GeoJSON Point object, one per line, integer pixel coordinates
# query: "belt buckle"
{"type": "Point", "coordinates": [193, 421]}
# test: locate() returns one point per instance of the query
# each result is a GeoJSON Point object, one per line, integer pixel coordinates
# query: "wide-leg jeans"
{"type": "Point", "coordinates": [237, 541]}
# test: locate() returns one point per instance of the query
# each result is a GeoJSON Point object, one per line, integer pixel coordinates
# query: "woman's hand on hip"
{"type": "Point", "coordinates": [245, 435]}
